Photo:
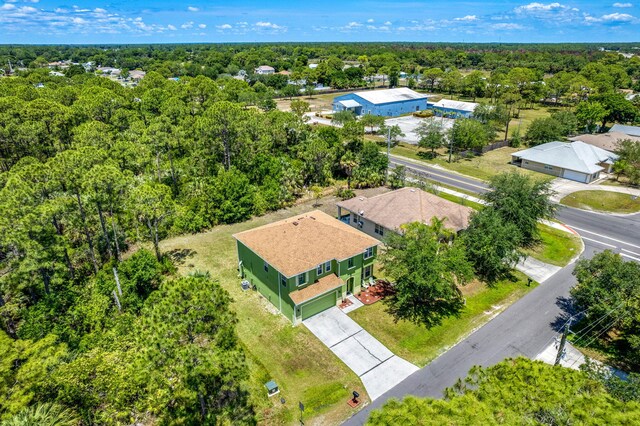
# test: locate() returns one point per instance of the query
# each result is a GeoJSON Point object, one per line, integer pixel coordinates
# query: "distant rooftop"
{"type": "Point", "coordinates": [458, 105]}
{"type": "Point", "coordinates": [407, 205]}
{"type": "Point", "coordinates": [390, 95]}
{"type": "Point", "coordinates": [628, 130]}
{"type": "Point", "coordinates": [608, 141]}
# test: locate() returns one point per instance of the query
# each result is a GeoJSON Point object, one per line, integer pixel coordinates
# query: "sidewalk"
{"type": "Point", "coordinates": [572, 357]}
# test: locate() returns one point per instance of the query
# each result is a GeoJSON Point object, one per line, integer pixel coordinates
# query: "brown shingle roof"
{"type": "Point", "coordinates": [608, 141]}
{"type": "Point", "coordinates": [406, 205]}
{"type": "Point", "coordinates": [302, 242]}
{"type": "Point", "coordinates": [324, 284]}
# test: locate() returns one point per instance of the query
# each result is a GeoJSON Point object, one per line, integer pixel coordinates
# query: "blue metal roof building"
{"type": "Point", "coordinates": [387, 103]}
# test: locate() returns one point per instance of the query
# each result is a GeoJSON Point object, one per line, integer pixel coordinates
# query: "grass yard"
{"type": "Point", "coordinates": [604, 201]}
{"type": "Point", "coordinates": [303, 367]}
{"type": "Point", "coordinates": [482, 167]}
{"type": "Point", "coordinates": [556, 247]}
{"type": "Point", "coordinates": [420, 345]}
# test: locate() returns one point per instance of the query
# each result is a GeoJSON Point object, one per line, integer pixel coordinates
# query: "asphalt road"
{"type": "Point", "coordinates": [530, 324]}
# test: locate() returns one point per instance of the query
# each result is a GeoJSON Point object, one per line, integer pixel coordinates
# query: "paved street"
{"type": "Point", "coordinates": [528, 326]}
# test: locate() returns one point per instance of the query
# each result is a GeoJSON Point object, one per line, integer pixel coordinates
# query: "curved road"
{"type": "Point", "coordinates": [529, 325]}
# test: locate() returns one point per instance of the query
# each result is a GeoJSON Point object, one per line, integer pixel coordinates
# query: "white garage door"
{"type": "Point", "coordinates": [577, 176]}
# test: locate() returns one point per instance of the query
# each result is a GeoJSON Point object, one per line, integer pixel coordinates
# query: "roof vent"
{"type": "Point", "coordinates": [311, 217]}
{"type": "Point", "coordinates": [413, 190]}
{"type": "Point", "coordinates": [361, 198]}
{"type": "Point", "coordinates": [295, 223]}
{"type": "Point", "coordinates": [361, 212]}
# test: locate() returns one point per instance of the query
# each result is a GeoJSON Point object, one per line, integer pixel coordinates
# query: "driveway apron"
{"type": "Point", "coordinates": [378, 368]}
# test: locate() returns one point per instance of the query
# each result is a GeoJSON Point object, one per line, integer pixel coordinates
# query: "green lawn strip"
{"type": "Point", "coordinates": [556, 247]}
{"type": "Point", "coordinates": [482, 167]}
{"type": "Point", "coordinates": [458, 200]}
{"type": "Point", "coordinates": [302, 366]}
{"type": "Point", "coordinates": [420, 345]}
{"type": "Point", "coordinates": [604, 201]}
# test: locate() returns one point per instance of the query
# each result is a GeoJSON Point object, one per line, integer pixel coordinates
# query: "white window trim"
{"type": "Point", "coordinates": [265, 267]}
{"type": "Point", "coordinates": [283, 278]}
{"type": "Point", "coordinates": [320, 269]}
{"type": "Point", "coordinates": [327, 266]}
{"type": "Point", "coordinates": [306, 279]}
{"type": "Point", "coordinates": [364, 272]}
{"type": "Point", "coordinates": [366, 254]}
{"type": "Point", "coordinates": [352, 260]}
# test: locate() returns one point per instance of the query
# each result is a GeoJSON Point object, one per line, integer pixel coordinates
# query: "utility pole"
{"type": "Point", "coordinates": [388, 151]}
{"type": "Point", "coordinates": [563, 341]}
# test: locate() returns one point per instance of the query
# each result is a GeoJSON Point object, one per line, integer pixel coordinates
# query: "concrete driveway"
{"type": "Point", "coordinates": [378, 368]}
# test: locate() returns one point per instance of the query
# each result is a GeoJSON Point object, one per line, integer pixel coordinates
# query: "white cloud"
{"type": "Point", "coordinates": [467, 18]}
{"type": "Point", "coordinates": [7, 6]}
{"type": "Point", "coordinates": [618, 17]}
{"type": "Point", "coordinates": [224, 27]}
{"type": "Point", "coordinates": [187, 25]}
{"type": "Point", "coordinates": [371, 21]}
{"type": "Point", "coordinates": [354, 24]}
{"type": "Point", "coordinates": [171, 27]}
{"type": "Point", "coordinates": [202, 26]}
{"type": "Point", "coordinates": [193, 9]}
{"type": "Point", "coordinates": [388, 23]}
{"type": "Point", "coordinates": [622, 5]}
{"type": "Point", "coordinates": [505, 26]}
{"type": "Point", "coordinates": [264, 25]}
{"type": "Point", "coordinates": [532, 7]}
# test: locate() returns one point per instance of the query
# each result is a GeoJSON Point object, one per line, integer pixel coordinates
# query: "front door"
{"type": "Point", "coordinates": [350, 285]}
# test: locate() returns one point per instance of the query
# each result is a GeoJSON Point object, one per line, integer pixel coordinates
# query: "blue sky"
{"type": "Point", "coordinates": [160, 21]}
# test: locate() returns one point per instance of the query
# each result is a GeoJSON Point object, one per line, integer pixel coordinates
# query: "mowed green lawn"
{"type": "Point", "coordinates": [419, 345]}
{"type": "Point", "coordinates": [604, 201]}
{"type": "Point", "coordinates": [303, 367]}
{"type": "Point", "coordinates": [482, 167]}
{"type": "Point", "coordinates": [556, 247]}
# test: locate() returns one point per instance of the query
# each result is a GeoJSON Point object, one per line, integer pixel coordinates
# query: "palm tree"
{"type": "Point", "coordinates": [42, 415]}
{"type": "Point", "coordinates": [348, 163]}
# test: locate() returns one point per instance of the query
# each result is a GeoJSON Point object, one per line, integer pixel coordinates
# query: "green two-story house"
{"type": "Point", "coordinates": [307, 263]}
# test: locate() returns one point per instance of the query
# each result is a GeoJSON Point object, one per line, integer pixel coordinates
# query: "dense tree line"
{"type": "Point", "coordinates": [517, 391]}
{"type": "Point", "coordinates": [89, 169]}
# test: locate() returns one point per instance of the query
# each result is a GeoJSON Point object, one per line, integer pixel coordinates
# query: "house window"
{"type": "Point", "coordinates": [302, 278]}
{"type": "Point", "coordinates": [547, 167]}
{"type": "Point", "coordinates": [319, 269]}
{"type": "Point", "coordinates": [368, 271]}
{"type": "Point", "coordinates": [266, 267]}
{"type": "Point", "coordinates": [368, 253]}
{"type": "Point", "coordinates": [379, 230]}
{"type": "Point", "coordinates": [354, 217]}
{"type": "Point", "coordinates": [526, 162]}
{"type": "Point", "coordinates": [350, 263]}
{"type": "Point", "coordinates": [327, 266]}
{"type": "Point", "coordinates": [283, 280]}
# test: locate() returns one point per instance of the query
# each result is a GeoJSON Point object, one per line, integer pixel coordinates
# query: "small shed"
{"type": "Point", "coordinates": [272, 388]}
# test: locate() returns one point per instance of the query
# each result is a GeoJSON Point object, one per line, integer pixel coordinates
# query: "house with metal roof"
{"type": "Point", "coordinates": [305, 264]}
{"type": "Point", "coordinates": [576, 161]}
{"type": "Point", "coordinates": [387, 103]}
{"type": "Point", "coordinates": [264, 70]}
{"type": "Point", "coordinates": [384, 213]}
{"type": "Point", "coordinates": [453, 109]}
{"type": "Point", "coordinates": [627, 130]}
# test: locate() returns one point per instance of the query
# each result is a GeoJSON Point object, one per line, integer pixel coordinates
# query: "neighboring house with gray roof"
{"type": "Point", "coordinates": [576, 161]}
{"type": "Point", "coordinates": [627, 130]}
{"type": "Point", "coordinates": [384, 213]}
